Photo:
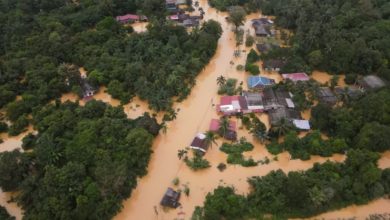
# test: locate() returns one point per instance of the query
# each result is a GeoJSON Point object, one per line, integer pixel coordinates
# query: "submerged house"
{"type": "Point", "coordinates": [171, 198]}
{"type": "Point", "coordinates": [262, 27]}
{"type": "Point", "coordinates": [279, 98]}
{"type": "Point", "coordinates": [259, 82]}
{"type": "Point", "coordinates": [296, 77]}
{"type": "Point", "coordinates": [231, 134]}
{"type": "Point", "coordinates": [87, 89]}
{"type": "Point", "coordinates": [266, 47]}
{"type": "Point", "coordinates": [351, 92]}
{"type": "Point", "coordinates": [276, 115]}
{"type": "Point", "coordinates": [199, 143]}
{"type": "Point", "coordinates": [171, 6]}
{"type": "Point", "coordinates": [130, 18]}
{"type": "Point", "coordinates": [254, 101]}
{"type": "Point", "coordinates": [325, 95]}
{"type": "Point", "coordinates": [273, 64]}
{"type": "Point", "coordinates": [371, 82]}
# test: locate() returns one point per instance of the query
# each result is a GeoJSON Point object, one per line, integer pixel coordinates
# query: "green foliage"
{"type": "Point", "coordinates": [229, 87]}
{"type": "Point", "coordinates": [311, 144]}
{"type": "Point", "coordinates": [249, 41]}
{"type": "Point", "coordinates": [176, 181]}
{"type": "Point", "coordinates": [43, 59]}
{"type": "Point", "coordinates": [85, 162]}
{"type": "Point", "coordinates": [197, 162]}
{"type": "Point", "coordinates": [237, 15]}
{"type": "Point", "coordinates": [301, 194]}
{"type": "Point", "coordinates": [252, 56]}
{"type": "Point", "coordinates": [235, 151]}
{"type": "Point", "coordinates": [252, 68]}
{"type": "Point", "coordinates": [353, 42]}
{"type": "Point", "coordinates": [374, 137]}
{"type": "Point", "coordinates": [18, 126]}
{"type": "Point", "coordinates": [4, 215]}
{"type": "Point", "coordinates": [223, 203]}
{"type": "Point", "coordinates": [3, 127]}
{"type": "Point", "coordinates": [28, 141]}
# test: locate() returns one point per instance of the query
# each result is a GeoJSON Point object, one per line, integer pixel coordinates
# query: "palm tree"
{"type": "Point", "coordinates": [282, 127]}
{"type": "Point", "coordinates": [210, 138]}
{"type": "Point", "coordinates": [181, 153]}
{"type": "Point", "coordinates": [172, 114]}
{"type": "Point", "coordinates": [260, 133]}
{"type": "Point", "coordinates": [223, 126]}
{"type": "Point", "coordinates": [221, 80]}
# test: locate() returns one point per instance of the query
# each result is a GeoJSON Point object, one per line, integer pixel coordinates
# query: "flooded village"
{"type": "Point", "coordinates": [160, 194]}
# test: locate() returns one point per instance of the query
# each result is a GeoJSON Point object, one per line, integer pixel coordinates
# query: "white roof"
{"type": "Point", "coordinates": [290, 103]}
{"type": "Point", "coordinates": [301, 124]}
{"type": "Point", "coordinates": [201, 136]}
{"type": "Point", "coordinates": [226, 108]}
{"type": "Point", "coordinates": [236, 104]}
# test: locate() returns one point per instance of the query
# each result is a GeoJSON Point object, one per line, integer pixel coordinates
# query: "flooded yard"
{"type": "Point", "coordinates": [194, 116]}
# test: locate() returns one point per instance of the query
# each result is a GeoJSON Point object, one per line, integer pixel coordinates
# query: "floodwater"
{"type": "Point", "coordinates": [323, 77]}
{"type": "Point", "coordinates": [194, 116]}
{"type": "Point", "coordinates": [140, 27]}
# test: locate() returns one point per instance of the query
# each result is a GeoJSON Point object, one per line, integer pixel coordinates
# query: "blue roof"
{"type": "Point", "coordinates": [255, 81]}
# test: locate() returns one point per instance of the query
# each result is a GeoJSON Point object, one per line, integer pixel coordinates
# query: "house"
{"type": "Point", "coordinates": [266, 47]}
{"type": "Point", "coordinates": [325, 95]}
{"type": "Point", "coordinates": [259, 82]}
{"type": "Point", "coordinates": [181, 2]}
{"type": "Point", "coordinates": [352, 92]}
{"type": "Point", "coordinates": [171, 6]}
{"type": "Point", "coordinates": [173, 17]}
{"type": "Point", "coordinates": [87, 89]}
{"type": "Point", "coordinates": [231, 134]}
{"type": "Point", "coordinates": [230, 105]}
{"type": "Point", "coordinates": [171, 198]}
{"type": "Point", "coordinates": [295, 77]}
{"type": "Point", "coordinates": [279, 98]}
{"type": "Point", "coordinates": [191, 22]}
{"type": "Point", "coordinates": [261, 31]}
{"type": "Point", "coordinates": [199, 143]}
{"type": "Point", "coordinates": [276, 115]}
{"type": "Point", "coordinates": [371, 82]}
{"type": "Point", "coordinates": [254, 101]}
{"type": "Point", "coordinates": [273, 64]}
{"type": "Point", "coordinates": [128, 18]}
{"type": "Point", "coordinates": [301, 124]}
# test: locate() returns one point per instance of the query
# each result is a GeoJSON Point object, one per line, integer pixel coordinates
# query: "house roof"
{"type": "Point", "coordinates": [295, 77]}
{"type": "Point", "coordinates": [274, 63]}
{"type": "Point", "coordinates": [181, 2]}
{"type": "Point", "coordinates": [259, 81]}
{"type": "Point", "coordinates": [171, 198]}
{"type": "Point", "coordinates": [275, 115]}
{"type": "Point", "coordinates": [260, 29]}
{"type": "Point", "coordinates": [253, 98]}
{"type": "Point", "coordinates": [352, 92]}
{"type": "Point", "coordinates": [215, 124]}
{"type": "Point", "coordinates": [301, 124]}
{"type": "Point", "coordinates": [199, 142]}
{"type": "Point", "coordinates": [372, 82]}
{"type": "Point", "coordinates": [127, 17]}
{"type": "Point", "coordinates": [170, 1]}
{"type": "Point", "coordinates": [325, 94]}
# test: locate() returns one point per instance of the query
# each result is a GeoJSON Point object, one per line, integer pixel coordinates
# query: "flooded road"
{"type": "Point", "coordinates": [194, 116]}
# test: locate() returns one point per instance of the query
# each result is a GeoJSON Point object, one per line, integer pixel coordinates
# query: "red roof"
{"type": "Point", "coordinates": [214, 125]}
{"type": "Point", "coordinates": [296, 76]}
{"type": "Point", "coordinates": [127, 17]}
{"type": "Point", "coordinates": [227, 100]}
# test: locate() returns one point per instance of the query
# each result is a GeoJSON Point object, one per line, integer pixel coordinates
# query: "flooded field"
{"type": "Point", "coordinates": [194, 116]}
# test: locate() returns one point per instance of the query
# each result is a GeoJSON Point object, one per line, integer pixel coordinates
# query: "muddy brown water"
{"type": "Point", "coordinates": [194, 116]}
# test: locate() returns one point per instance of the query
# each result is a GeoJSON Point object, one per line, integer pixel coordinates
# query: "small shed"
{"type": "Point", "coordinates": [371, 82]}
{"type": "Point", "coordinates": [199, 143]}
{"type": "Point", "coordinates": [128, 18]}
{"type": "Point", "coordinates": [301, 124]}
{"type": "Point", "coordinates": [296, 77]}
{"type": "Point", "coordinates": [171, 198]}
{"type": "Point", "coordinates": [325, 95]}
{"type": "Point", "coordinates": [260, 82]}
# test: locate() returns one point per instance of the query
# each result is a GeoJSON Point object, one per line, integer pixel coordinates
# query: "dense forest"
{"type": "Point", "coordinates": [301, 194]}
{"type": "Point", "coordinates": [4, 215]}
{"type": "Point", "coordinates": [348, 37]}
{"type": "Point", "coordinates": [43, 42]}
{"type": "Point", "coordinates": [84, 161]}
